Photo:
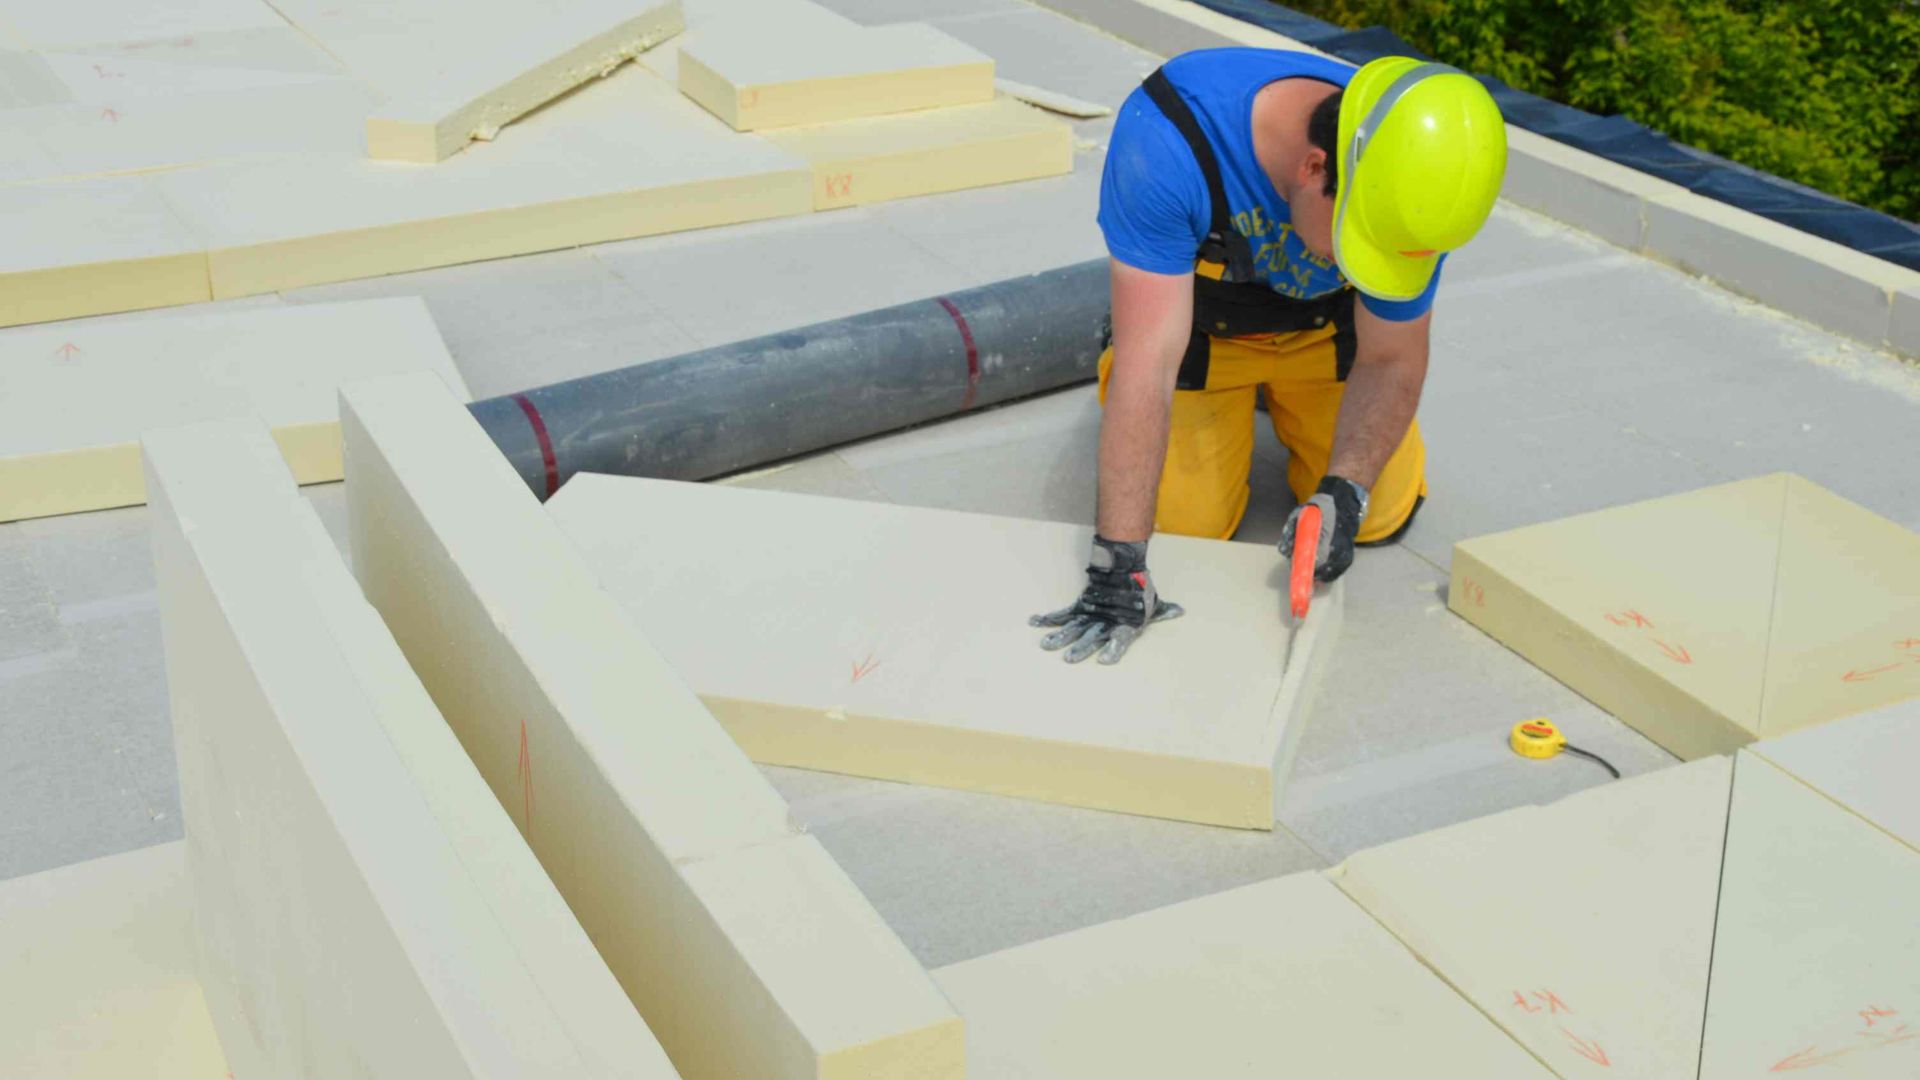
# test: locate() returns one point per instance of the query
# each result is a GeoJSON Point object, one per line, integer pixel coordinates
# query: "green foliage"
{"type": "Point", "coordinates": [1825, 92]}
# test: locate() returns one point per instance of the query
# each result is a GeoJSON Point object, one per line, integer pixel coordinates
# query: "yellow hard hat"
{"type": "Point", "coordinates": [1422, 151]}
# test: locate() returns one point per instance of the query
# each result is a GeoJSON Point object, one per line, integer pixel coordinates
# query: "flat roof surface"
{"type": "Point", "coordinates": [1567, 375]}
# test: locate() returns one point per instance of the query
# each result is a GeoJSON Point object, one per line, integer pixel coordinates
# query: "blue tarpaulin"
{"type": "Point", "coordinates": [1619, 139]}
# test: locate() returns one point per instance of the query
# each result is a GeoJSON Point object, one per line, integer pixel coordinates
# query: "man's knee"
{"type": "Point", "coordinates": [1380, 530]}
{"type": "Point", "coordinates": [1398, 493]}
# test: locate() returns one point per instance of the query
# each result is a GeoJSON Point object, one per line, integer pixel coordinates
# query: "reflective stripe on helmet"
{"type": "Point", "coordinates": [1362, 131]}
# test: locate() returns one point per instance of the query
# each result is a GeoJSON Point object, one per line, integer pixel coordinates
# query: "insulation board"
{"type": "Point", "coordinates": [1281, 979]}
{"type": "Point", "coordinates": [74, 399]}
{"type": "Point", "coordinates": [27, 81]}
{"type": "Point", "coordinates": [1711, 618]}
{"type": "Point", "coordinates": [25, 159]}
{"type": "Point", "coordinates": [97, 973]}
{"type": "Point", "coordinates": [628, 157]}
{"type": "Point", "coordinates": [1816, 952]}
{"type": "Point", "coordinates": [275, 48]}
{"type": "Point", "coordinates": [107, 78]}
{"type": "Point", "coordinates": [745, 947]}
{"type": "Point", "coordinates": [457, 70]}
{"type": "Point", "coordinates": [828, 644]}
{"type": "Point", "coordinates": [567, 44]}
{"type": "Point", "coordinates": [924, 153]}
{"type": "Point", "coordinates": [755, 74]}
{"type": "Point", "coordinates": [363, 906]}
{"type": "Point", "coordinates": [1583, 928]}
{"type": "Point", "coordinates": [1867, 763]}
{"type": "Point", "coordinates": [88, 247]}
{"type": "Point", "coordinates": [1052, 100]}
{"type": "Point", "coordinates": [136, 134]}
{"type": "Point", "coordinates": [72, 24]}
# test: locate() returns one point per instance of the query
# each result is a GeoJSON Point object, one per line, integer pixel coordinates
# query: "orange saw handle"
{"type": "Point", "coordinates": [1306, 545]}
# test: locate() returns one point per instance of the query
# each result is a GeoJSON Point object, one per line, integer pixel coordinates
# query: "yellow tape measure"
{"type": "Point", "coordinates": [1539, 739]}
{"type": "Point", "coordinates": [1536, 739]}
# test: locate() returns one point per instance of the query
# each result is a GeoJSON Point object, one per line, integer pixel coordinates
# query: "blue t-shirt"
{"type": "Point", "coordinates": [1154, 206]}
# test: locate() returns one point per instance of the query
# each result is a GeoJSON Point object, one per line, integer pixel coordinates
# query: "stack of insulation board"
{"type": "Point", "coordinates": [362, 905]}
{"type": "Point", "coordinates": [741, 65]}
{"type": "Point", "coordinates": [75, 398]}
{"type": "Point", "coordinates": [163, 157]}
{"type": "Point", "coordinates": [870, 669]}
{"type": "Point", "coordinates": [1722, 915]}
{"type": "Point", "coordinates": [1710, 618]}
{"type": "Point", "coordinates": [1744, 915]}
{"type": "Point", "coordinates": [160, 158]}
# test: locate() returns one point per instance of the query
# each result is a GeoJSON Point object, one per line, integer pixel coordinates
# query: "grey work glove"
{"type": "Point", "coordinates": [1113, 610]}
{"type": "Point", "coordinates": [1343, 505]}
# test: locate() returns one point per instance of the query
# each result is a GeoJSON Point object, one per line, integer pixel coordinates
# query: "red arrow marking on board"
{"type": "Point", "coordinates": [1676, 653]}
{"type": "Point", "coordinates": [68, 351]}
{"type": "Point", "coordinates": [865, 668]}
{"type": "Point", "coordinates": [110, 115]}
{"type": "Point", "coordinates": [1589, 1050]}
{"type": "Point", "coordinates": [1804, 1059]}
{"type": "Point", "coordinates": [524, 769]}
{"type": "Point", "coordinates": [1857, 675]}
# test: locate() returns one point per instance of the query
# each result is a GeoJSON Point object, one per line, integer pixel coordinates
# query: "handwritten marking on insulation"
{"type": "Point", "coordinates": [1880, 1028]}
{"type": "Point", "coordinates": [1907, 646]}
{"type": "Point", "coordinates": [865, 667]}
{"type": "Point", "coordinates": [1677, 653]}
{"type": "Point", "coordinates": [840, 186]}
{"type": "Point", "coordinates": [1548, 1000]}
{"type": "Point", "coordinates": [1632, 619]}
{"type": "Point", "coordinates": [110, 114]}
{"type": "Point", "coordinates": [1473, 592]}
{"type": "Point", "coordinates": [1550, 1003]}
{"type": "Point", "coordinates": [524, 770]}
{"type": "Point", "coordinates": [1589, 1049]}
{"type": "Point", "coordinates": [67, 351]}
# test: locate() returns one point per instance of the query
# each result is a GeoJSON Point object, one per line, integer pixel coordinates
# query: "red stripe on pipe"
{"type": "Point", "coordinates": [973, 351]}
{"type": "Point", "coordinates": [546, 443]}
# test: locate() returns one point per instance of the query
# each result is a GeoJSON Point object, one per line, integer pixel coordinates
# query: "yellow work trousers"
{"type": "Point", "coordinates": [1203, 489]}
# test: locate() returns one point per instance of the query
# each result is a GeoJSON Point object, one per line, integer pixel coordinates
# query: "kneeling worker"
{"type": "Point", "coordinates": [1248, 194]}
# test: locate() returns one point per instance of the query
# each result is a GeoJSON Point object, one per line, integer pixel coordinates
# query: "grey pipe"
{"type": "Point", "coordinates": [737, 406]}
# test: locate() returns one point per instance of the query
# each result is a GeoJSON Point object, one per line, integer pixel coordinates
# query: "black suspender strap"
{"type": "Point", "coordinates": [1240, 306]}
{"type": "Point", "coordinates": [1224, 244]}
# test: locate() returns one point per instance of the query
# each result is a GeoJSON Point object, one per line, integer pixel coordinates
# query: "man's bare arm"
{"type": "Point", "coordinates": [1383, 392]}
{"type": "Point", "coordinates": [1152, 320]}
